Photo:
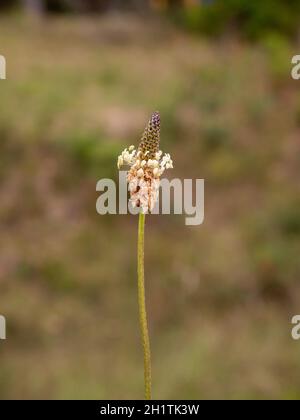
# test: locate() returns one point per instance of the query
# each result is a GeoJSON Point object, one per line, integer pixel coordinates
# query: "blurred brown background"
{"type": "Point", "coordinates": [82, 79]}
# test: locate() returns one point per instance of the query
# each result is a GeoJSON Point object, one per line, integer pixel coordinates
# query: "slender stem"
{"type": "Point", "coordinates": [142, 308]}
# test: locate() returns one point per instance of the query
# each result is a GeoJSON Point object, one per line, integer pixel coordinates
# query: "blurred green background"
{"type": "Point", "coordinates": [82, 79]}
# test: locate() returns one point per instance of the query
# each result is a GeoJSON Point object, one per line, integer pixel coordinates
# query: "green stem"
{"type": "Point", "coordinates": [142, 308]}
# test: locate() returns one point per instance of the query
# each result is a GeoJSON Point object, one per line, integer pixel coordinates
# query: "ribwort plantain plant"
{"type": "Point", "coordinates": [146, 165]}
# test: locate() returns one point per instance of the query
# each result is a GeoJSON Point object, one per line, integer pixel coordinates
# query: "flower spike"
{"type": "Point", "coordinates": [147, 164]}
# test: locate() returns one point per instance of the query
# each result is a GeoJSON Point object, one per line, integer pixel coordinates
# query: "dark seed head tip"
{"type": "Point", "coordinates": [155, 117]}
{"type": "Point", "coordinates": [151, 137]}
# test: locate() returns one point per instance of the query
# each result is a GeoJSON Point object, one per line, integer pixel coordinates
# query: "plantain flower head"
{"type": "Point", "coordinates": [146, 165]}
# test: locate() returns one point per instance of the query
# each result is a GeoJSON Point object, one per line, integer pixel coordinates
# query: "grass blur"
{"type": "Point", "coordinates": [220, 296]}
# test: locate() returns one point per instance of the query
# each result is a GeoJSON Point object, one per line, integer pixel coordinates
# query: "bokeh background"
{"type": "Point", "coordinates": [82, 79]}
